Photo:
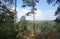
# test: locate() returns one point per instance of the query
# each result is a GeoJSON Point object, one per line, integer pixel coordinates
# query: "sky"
{"type": "Point", "coordinates": [44, 11]}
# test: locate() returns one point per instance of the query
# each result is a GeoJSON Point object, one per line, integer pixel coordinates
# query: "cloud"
{"type": "Point", "coordinates": [49, 11]}
{"type": "Point", "coordinates": [21, 12]}
{"type": "Point", "coordinates": [50, 15]}
{"type": "Point", "coordinates": [40, 15]}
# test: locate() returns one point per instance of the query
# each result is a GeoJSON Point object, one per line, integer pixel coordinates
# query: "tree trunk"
{"type": "Point", "coordinates": [33, 16]}
{"type": "Point", "coordinates": [15, 14]}
{"type": "Point", "coordinates": [34, 23]}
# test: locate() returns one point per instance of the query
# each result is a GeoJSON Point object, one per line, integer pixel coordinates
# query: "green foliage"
{"type": "Point", "coordinates": [7, 15]}
{"type": "Point", "coordinates": [58, 8]}
{"type": "Point", "coordinates": [8, 31]}
{"type": "Point", "coordinates": [6, 23]}
{"type": "Point", "coordinates": [7, 2]}
{"type": "Point", "coordinates": [53, 2]}
{"type": "Point", "coordinates": [46, 28]}
{"type": "Point", "coordinates": [28, 13]}
{"type": "Point", "coordinates": [29, 3]}
{"type": "Point", "coordinates": [57, 13]}
{"type": "Point", "coordinates": [22, 28]}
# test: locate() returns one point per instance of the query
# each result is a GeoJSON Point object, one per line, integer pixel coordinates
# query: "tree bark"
{"type": "Point", "coordinates": [33, 17]}
{"type": "Point", "coordinates": [15, 14]}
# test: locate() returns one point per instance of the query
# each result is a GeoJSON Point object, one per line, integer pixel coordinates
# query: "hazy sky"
{"type": "Point", "coordinates": [44, 11]}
